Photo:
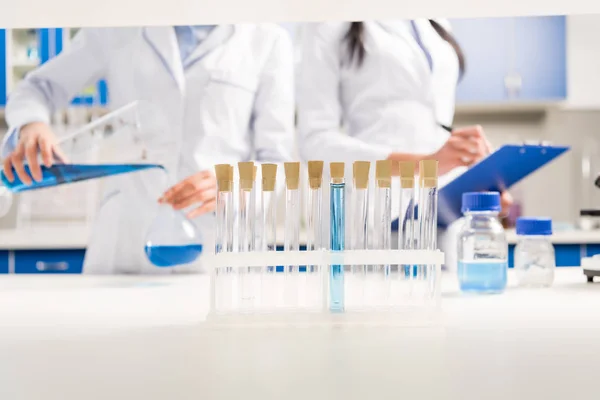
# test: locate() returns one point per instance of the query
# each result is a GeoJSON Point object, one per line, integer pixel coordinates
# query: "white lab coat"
{"type": "Point", "coordinates": [234, 103]}
{"type": "Point", "coordinates": [394, 102]}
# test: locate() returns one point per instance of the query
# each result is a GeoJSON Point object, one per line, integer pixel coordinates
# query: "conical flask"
{"type": "Point", "coordinates": [172, 239]}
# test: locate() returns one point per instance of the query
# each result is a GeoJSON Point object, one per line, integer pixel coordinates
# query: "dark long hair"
{"type": "Point", "coordinates": [355, 40]}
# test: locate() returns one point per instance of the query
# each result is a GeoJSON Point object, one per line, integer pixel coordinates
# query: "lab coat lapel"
{"type": "Point", "coordinates": [218, 36]}
{"type": "Point", "coordinates": [164, 42]}
{"type": "Point", "coordinates": [404, 29]}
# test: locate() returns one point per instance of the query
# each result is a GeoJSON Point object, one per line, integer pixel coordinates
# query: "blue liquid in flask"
{"type": "Point", "coordinates": [60, 174]}
{"type": "Point", "coordinates": [482, 276]}
{"type": "Point", "coordinates": [338, 231]}
{"type": "Point", "coordinates": [170, 256]}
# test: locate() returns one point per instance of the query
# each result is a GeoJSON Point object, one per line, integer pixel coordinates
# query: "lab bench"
{"type": "Point", "coordinates": [61, 249]}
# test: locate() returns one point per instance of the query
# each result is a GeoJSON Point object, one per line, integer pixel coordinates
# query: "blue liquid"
{"type": "Point", "coordinates": [60, 174]}
{"type": "Point", "coordinates": [338, 239]}
{"type": "Point", "coordinates": [482, 276]}
{"type": "Point", "coordinates": [170, 256]}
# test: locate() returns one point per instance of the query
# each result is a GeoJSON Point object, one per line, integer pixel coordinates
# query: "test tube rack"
{"type": "Point", "coordinates": [248, 289]}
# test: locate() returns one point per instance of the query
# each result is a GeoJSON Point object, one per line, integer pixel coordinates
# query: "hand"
{"type": "Point", "coordinates": [506, 201]}
{"type": "Point", "coordinates": [35, 138]}
{"type": "Point", "coordinates": [465, 147]}
{"type": "Point", "coordinates": [198, 188]}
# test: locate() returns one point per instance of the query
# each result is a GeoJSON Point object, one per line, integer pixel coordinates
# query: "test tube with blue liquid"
{"type": "Point", "coordinates": [337, 234]}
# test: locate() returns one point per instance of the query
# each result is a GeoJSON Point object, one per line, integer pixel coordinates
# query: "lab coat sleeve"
{"type": "Point", "coordinates": [273, 117]}
{"type": "Point", "coordinates": [55, 83]}
{"type": "Point", "coordinates": [318, 100]}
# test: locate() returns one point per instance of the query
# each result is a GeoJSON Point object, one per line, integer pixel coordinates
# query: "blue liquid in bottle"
{"type": "Point", "coordinates": [170, 256]}
{"type": "Point", "coordinates": [60, 174]}
{"type": "Point", "coordinates": [482, 276]}
{"type": "Point", "coordinates": [336, 277]}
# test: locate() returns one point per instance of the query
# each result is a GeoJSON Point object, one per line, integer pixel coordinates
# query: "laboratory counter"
{"type": "Point", "coordinates": [75, 236]}
{"type": "Point", "coordinates": [133, 337]}
{"type": "Point", "coordinates": [60, 248]}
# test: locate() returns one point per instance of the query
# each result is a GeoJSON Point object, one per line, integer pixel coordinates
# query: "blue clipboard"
{"type": "Point", "coordinates": [497, 172]}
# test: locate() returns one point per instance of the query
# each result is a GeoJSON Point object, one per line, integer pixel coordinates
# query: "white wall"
{"type": "Point", "coordinates": [583, 62]}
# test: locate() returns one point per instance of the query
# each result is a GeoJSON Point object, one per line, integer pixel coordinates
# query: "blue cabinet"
{"type": "Point", "coordinates": [49, 261]}
{"type": "Point", "coordinates": [541, 62]}
{"type": "Point", "coordinates": [4, 262]}
{"type": "Point", "coordinates": [512, 59]}
{"type": "Point", "coordinates": [567, 255]}
{"type": "Point", "coordinates": [485, 46]}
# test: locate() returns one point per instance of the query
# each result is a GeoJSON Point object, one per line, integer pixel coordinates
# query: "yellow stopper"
{"type": "Point", "coordinates": [428, 173]}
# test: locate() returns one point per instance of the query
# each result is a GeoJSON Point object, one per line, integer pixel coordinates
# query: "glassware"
{"type": "Point", "coordinates": [337, 189]}
{"type": "Point", "coordinates": [534, 253]}
{"type": "Point", "coordinates": [172, 239]}
{"type": "Point", "coordinates": [482, 245]}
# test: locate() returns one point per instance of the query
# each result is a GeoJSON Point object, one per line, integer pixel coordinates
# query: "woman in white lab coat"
{"type": "Point", "coordinates": [391, 86]}
{"type": "Point", "coordinates": [230, 99]}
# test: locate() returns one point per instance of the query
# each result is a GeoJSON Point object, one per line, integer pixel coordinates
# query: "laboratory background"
{"type": "Point", "coordinates": [496, 307]}
{"type": "Point", "coordinates": [529, 80]}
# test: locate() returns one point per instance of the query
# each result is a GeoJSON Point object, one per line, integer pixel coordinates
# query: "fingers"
{"type": "Point", "coordinates": [506, 202]}
{"type": "Point", "coordinates": [198, 197]}
{"type": "Point", "coordinates": [475, 134]}
{"type": "Point", "coordinates": [463, 149]}
{"type": "Point", "coordinates": [17, 163]}
{"type": "Point", "coordinates": [206, 207]}
{"type": "Point", "coordinates": [8, 169]}
{"type": "Point", "coordinates": [31, 154]}
{"type": "Point", "coordinates": [199, 188]}
{"type": "Point", "coordinates": [186, 188]}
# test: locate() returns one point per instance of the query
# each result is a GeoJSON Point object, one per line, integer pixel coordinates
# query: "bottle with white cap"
{"type": "Point", "coordinates": [534, 253]}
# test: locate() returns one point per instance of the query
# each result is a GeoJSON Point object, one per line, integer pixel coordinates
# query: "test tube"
{"type": "Point", "coordinates": [292, 227]}
{"type": "Point", "coordinates": [314, 207]}
{"type": "Point", "coordinates": [428, 198]}
{"type": "Point", "coordinates": [360, 225]}
{"type": "Point", "coordinates": [337, 234]}
{"type": "Point", "coordinates": [314, 236]}
{"type": "Point", "coordinates": [406, 227]}
{"type": "Point", "coordinates": [224, 207]}
{"type": "Point", "coordinates": [224, 234]}
{"type": "Point", "coordinates": [269, 228]}
{"type": "Point", "coordinates": [269, 208]}
{"type": "Point", "coordinates": [246, 229]}
{"type": "Point", "coordinates": [383, 219]}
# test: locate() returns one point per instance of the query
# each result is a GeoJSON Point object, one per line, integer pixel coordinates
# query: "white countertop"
{"type": "Point", "coordinates": [98, 338]}
{"type": "Point", "coordinates": [76, 236]}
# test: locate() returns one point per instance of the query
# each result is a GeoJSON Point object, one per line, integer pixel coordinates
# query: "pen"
{"type": "Point", "coordinates": [446, 127]}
